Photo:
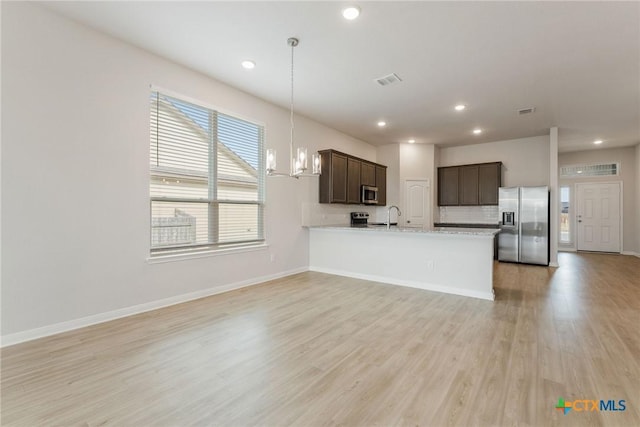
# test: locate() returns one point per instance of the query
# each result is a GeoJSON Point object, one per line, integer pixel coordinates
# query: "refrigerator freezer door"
{"type": "Point", "coordinates": [534, 225]}
{"type": "Point", "coordinates": [508, 240]}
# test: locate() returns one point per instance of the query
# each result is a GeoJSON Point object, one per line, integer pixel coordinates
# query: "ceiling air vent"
{"type": "Point", "coordinates": [528, 110]}
{"type": "Point", "coordinates": [387, 80]}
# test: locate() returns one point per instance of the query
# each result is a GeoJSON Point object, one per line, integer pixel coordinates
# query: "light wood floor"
{"type": "Point", "coordinates": [315, 349]}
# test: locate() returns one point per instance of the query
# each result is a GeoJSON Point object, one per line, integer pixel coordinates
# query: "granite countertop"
{"type": "Point", "coordinates": [485, 232]}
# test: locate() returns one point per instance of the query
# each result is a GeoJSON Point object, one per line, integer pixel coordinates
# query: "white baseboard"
{"type": "Point", "coordinates": [554, 264]}
{"type": "Point", "coordinates": [636, 254]}
{"type": "Point", "coordinates": [57, 328]}
{"type": "Point", "coordinates": [411, 284]}
{"type": "Point", "coordinates": [561, 249]}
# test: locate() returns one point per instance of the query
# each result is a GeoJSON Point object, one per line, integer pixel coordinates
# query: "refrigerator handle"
{"type": "Point", "coordinates": [519, 242]}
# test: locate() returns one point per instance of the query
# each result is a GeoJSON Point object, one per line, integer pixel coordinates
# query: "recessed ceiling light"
{"type": "Point", "coordinates": [460, 107]}
{"type": "Point", "coordinates": [382, 123]}
{"type": "Point", "coordinates": [477, 131]}
{"type": "Point", "coordinates": [412, 141]}
{"type": "Point", "coordinates": [597, 141]}
{"type": "Point", "coordinates": [579, 171]}
{"type": "Point", "coordinates": [248, 64]}
{"type": "Point", "coordinates": [351, 13]}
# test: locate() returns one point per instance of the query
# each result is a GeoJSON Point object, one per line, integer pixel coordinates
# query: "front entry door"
{"type": "Point", "coordinates": [598, 217]}
{"type": "Point", "coordinates": [417, 202]}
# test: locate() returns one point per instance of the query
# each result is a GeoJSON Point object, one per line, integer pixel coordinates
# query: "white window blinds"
{"type": "Point", "coordinates": [207, 177]}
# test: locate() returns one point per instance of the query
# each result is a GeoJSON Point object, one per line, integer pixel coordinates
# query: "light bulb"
{"type": "Point", "coordinates": [248, 64]}
{"type": "Point", "coordinates": [271, 160]}
{"type": "Point", "coordinates": [316, 163]}
{"type": "Point", "coordinates": [351, 13]}
{"type": "Point", "coordinates": [302, 158]}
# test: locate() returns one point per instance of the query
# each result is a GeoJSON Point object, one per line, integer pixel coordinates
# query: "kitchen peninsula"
{"type": "Point", "coordinates": [450, 260]}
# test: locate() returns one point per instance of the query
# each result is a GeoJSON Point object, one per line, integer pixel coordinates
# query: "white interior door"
{"type": "Point", "coordinates": [598, 217]}
{"type": "Point", "coordinates": [418, 212]}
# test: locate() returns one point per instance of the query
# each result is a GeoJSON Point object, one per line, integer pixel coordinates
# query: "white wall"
{"type": "Point", "coordinates": [417, 161]}
{"type": "Point", "coordinates": [554, 194]}
{"type": "Point", "coordinates": [313, 212]}
{"type": "Point", "coordinates": [389, 155]}
{"type": "Point", "coordinates": [637, 184]}
{"type": "Point", "coordinates": [628, 176]}
{"type": "Point", "coordinates": [75, 185]}
{"type": "Point", "coordinates": [525, 161]}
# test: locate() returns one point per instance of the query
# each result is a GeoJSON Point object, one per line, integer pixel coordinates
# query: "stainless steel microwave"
{"type": "Point", "coordinates": [369, 195]}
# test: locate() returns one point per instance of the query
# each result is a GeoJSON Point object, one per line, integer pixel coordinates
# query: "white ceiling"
{"type": "Point", "coordinates": [578, 63]}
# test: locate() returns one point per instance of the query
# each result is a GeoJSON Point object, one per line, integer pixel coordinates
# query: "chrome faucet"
{"type": "Point", "coordinates": [389, 215]}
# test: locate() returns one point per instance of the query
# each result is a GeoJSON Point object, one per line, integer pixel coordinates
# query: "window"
{"type": "Point", "coordinates": [578, 171]}
{"type": "Point", "coordinates": [206, 178]}
{"type": "Point", "coordinates": [565, 209]}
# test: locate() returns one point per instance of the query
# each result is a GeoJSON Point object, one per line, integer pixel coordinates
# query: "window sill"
{"type": "Point", "coordinates": [162, 258]}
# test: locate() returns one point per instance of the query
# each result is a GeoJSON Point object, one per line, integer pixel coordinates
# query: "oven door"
{"type": "Point", "coordinates": [369, 195]}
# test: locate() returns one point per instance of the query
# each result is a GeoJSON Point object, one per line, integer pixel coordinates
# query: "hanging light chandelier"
{"type": "Point", "coordinates": [299, 162]}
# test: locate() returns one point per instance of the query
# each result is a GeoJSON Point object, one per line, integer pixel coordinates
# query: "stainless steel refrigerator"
{"type": "Point", "coordinates": [524, 225]}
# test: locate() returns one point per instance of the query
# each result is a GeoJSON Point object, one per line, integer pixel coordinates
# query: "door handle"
{"type": "Point", "coordinates": [579, 220]}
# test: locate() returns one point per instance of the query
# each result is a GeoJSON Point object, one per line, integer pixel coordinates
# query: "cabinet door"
{"type": "Point", "coordinates": [469, 185]}
{"type": "Point", "coordinates": [489, 181]}
{"type": "Point", "coordinates": [338, 178]}
{"type": "Point", "coordinates": [368, 174]}
{"type": "Point", "coordinates": [448, 182]}
{"type": "Point", "coordinates": [353, 180]}
{"type": "Point", "coordinates": [381, 183]}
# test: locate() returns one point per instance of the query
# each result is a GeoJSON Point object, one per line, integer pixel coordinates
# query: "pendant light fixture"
{"type": "Point", "coordinates": [299, 161]}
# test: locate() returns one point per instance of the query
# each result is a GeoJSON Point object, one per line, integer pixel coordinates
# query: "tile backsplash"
{"type": "Point", "coordinates": [469, 214]}
{"type": "Point", "coordinates": [333, 214]}
{"type": "Point", "coordinates": [338, 214]}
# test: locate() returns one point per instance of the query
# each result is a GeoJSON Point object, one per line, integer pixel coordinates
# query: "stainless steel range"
{"type": "Point", "coordinates": [359, 219]}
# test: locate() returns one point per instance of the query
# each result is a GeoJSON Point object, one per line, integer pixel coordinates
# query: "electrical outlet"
{"type": "Point", "coordinates": [430, 265]}
{"type": "Point", "coordinates": [273, 257]}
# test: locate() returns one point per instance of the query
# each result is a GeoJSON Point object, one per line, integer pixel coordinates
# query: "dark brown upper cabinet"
{"type": "Point", "coordinates": [489, 181]}
{"type": "Point", "coordinates": [353, 180]}
{"type": "Point", "coordinates": [468, 193]}
{"type": "Point", "coordinates": [343, 177]}
{"type": "Point", "coordinates": [381, 183]}
{"type": "Point", "coordinates": [469, 185]}
{"type": "Point", "coordinates": [333, 180]}
{"type": "Point", "coordinates": [448, 183]}
{"type": "Point", "coordinates": [368, 174]}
